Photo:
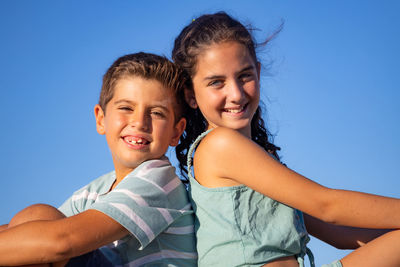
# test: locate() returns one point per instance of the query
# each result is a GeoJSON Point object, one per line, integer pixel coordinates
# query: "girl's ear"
{"type": "Point", "coordinates": [190, 98]}
{"type": "Point", "coordinates": [178, 130]}
{"type": "Point", "coordinates": [99, 114]}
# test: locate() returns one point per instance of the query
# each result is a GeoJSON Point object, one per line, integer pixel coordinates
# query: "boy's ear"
{"type": "Point", "coordinates": [190, 98]}
{"type": "Point", "coordinates": [99, 114]}
{"type": "Point", "coordinates": [178, 130]}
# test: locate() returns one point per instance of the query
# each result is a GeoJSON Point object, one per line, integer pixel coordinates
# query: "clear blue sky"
{"type": "Point", "coordinates": [332, 91]}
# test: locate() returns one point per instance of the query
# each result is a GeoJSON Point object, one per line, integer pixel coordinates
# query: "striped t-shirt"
{"type": "Point", "coordinates": [152, 203]}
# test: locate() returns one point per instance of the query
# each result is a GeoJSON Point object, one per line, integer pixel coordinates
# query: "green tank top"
{"type": "Point", "coordinates": [237, 226]}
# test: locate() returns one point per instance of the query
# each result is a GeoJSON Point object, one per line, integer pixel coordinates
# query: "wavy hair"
{"type": "Point", "coordinates": [194, 39]}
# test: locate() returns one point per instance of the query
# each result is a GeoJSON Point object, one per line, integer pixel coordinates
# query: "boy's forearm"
{"type": "Point", "coordinates": [56, 240]}
{"type": "Point", "coordinates": [35, 239]}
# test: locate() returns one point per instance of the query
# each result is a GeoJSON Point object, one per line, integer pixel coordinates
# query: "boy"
{"type": "Point", "coordinates": [137, 215]}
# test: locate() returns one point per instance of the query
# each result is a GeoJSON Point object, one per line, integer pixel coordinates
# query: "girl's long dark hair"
{"type": "Point", "coordinates": [193, 39]}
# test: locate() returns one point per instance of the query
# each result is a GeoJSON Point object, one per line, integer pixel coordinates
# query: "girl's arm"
{"type": "Point", "coordinates": [51, 241]}
{"type": "Point", "coordinates": [341, 237]}
{"type": "Point", "coordinates": [3, 227]}
{"type": "Point", "coordinates": [227, 155]}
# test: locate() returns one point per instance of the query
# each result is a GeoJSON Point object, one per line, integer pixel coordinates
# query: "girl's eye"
{"type": "Point", "coordinates": [245, 77]}
{"type": "Point", "coordinates": [216, 83]}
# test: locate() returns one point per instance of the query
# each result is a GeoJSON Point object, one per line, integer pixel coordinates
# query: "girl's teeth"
{"type": "Point", "coordinates": [234, 110]}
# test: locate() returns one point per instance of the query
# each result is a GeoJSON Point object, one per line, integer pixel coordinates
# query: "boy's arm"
{"type": "Point", "coordinates": [3, 227]}
{"type": "Point", "coordinates": [51, 241]}
{"type": "Point", "coordinates": [341, 237]}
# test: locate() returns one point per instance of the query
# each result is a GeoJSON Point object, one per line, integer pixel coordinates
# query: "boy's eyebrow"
{"type": "Point", "coordinates": [156, 105]}
{"type": "Point", "coordinates": [164, 108]}
{"type": "Point", "coordinates": [122, 101]}
{"type": "Point", "coordinates": [213, 77]}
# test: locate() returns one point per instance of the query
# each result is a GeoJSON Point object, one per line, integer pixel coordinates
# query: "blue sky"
{"type": "Point", "coordinates": [331, 93]}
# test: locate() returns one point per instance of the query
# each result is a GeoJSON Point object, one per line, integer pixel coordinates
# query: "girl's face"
{"type": "Point", "coordinates": [226, 86]}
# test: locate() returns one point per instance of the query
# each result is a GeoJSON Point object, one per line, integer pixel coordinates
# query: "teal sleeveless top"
{"type": "Point", "coordinates": [237, 226]}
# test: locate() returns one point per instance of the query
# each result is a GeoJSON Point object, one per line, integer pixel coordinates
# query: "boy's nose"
{"type": "Point", "coordinates": [139, 120]}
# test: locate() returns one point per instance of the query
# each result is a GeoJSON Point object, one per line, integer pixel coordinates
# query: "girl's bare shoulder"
{"type": "Point", "coordinates": [210, 158]}
{"type": "Point", "coordinates": [222, 139]}
{"type": "Point", "coordinates": [216, 155]}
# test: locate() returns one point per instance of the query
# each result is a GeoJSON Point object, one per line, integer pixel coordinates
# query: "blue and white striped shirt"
{"type": "Point", "coordinates": [152, 203]}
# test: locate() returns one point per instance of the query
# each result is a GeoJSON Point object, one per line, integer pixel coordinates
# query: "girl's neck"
{"type": "Point", "coordinates": [246, 131]}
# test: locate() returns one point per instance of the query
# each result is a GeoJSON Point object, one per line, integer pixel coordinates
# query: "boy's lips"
{"type": "Point", "coordinates": [136, 140]}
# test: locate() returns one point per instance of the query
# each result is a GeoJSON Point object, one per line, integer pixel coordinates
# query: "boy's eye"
{"type": "Point", "coordinates": [125, 108]}
{"type": "Point", "coordinates": [158, 114]}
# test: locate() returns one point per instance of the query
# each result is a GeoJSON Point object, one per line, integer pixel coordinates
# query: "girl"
{"type": "Point", "coordinates": [242, 194]}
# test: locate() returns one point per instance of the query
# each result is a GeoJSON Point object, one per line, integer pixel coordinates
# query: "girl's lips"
{"type": "Point", "coordinates": [237, 110]}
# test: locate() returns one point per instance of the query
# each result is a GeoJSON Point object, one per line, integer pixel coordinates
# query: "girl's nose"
{"type": "Point", "coordinates": [235, 92]}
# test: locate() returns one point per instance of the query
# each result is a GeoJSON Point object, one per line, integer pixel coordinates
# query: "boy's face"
{"type": "Point", "coordinates": [138, 123]}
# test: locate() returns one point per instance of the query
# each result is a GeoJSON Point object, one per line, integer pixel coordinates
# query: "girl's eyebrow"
{"type": "Point", "coordinates": [251, 67]}
{"type": "Point", "coordinates": [213, 77]}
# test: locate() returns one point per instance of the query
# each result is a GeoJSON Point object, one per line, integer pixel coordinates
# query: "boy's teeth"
{"type": "Point", "coordinates": [136, 141]}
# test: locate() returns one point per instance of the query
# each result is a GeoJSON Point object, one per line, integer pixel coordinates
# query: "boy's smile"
{"type": "Point", "coordinates": [139, 123]}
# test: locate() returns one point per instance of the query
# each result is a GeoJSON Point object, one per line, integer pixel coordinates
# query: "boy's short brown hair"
{"type": "Point", "coordinates": [147, 66]}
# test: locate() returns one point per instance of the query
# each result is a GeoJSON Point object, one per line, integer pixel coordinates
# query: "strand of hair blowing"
{"type": "Point", "coordinates": [193, 39]}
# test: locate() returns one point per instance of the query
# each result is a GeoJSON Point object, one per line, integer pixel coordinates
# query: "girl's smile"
{"type": "Point", "coordinates": [226, 86]}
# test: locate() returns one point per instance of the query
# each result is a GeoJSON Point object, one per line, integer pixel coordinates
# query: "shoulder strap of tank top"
{"type": "Point", "coordinates": [191, 150]}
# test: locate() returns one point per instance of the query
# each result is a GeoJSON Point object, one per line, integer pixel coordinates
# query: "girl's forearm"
{"type": "Point", "coordinates": [362, 210]}
{"type": "Point", "coordinates": [341, 237]}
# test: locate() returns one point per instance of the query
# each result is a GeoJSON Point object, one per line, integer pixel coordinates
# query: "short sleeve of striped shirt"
{"type": "Point", "coordinates": [147, 201]}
